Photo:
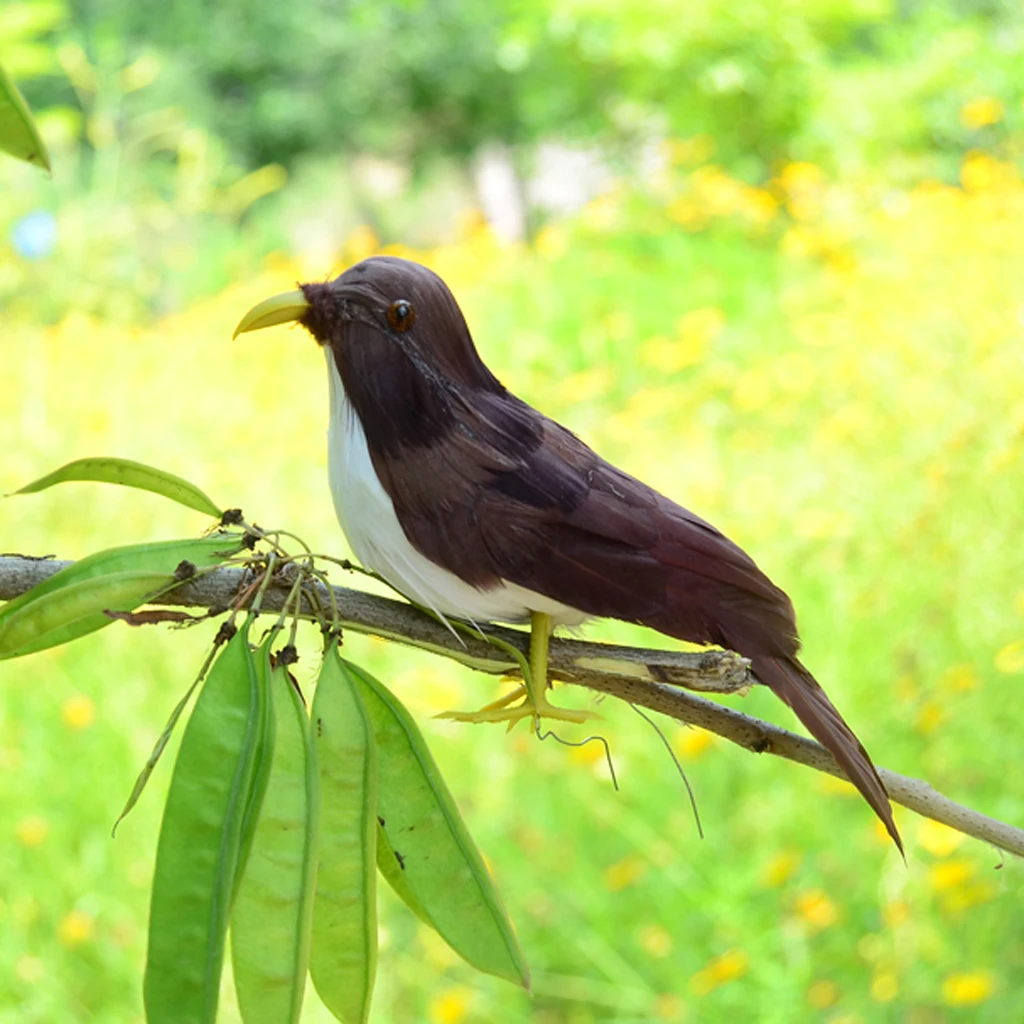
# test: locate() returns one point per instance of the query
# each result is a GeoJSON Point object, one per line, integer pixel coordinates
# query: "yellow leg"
{"type": "Point", "coordinates": [534, 704]}
{"type": "Point", "coordinates": [503, 702]}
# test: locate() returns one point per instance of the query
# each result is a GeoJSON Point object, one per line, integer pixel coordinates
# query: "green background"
{"type": "Point", "coordinates": [796, 306]}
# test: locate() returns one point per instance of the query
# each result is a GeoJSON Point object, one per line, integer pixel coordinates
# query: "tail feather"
{"type": "Point", "coordinates": [791, 682]}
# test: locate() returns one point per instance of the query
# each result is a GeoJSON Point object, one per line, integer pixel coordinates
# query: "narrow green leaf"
{"type": "Point", "coordinates": [128, 474]}
{"type": "Point", "coordinates": [154, 757]}
{"type": "Point", "coordinates": [18, 133]}
{"type": "Point", "coordinates": [343, 956]}
{"type": "Point", "coordinates": [75, 610]}
{"type": "Point", "coordinates": [200, 839]}
{"type": "Point", "coordinates": [71, 603]}
{"type": "Point", "coordinates": [156, 556]}
{"type": "Point", "coordinates": [272, 917]}
{"type": "Point", "coordinates": [439, 862]}
{"type": "Point", "coordinates": [264, 756]}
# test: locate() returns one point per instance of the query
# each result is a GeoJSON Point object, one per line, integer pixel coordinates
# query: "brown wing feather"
{"type": "Point", "coordinates": [557, 519]}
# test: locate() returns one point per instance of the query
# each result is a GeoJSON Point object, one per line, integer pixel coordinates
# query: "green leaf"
{"type": "Point", "coordinates": [158, 748]}
{"type": "Point", "coordinates": [200, 842]}
{"type": "Point", "coordinates": [18, 133]}
{"type": "Point", "coordinates": [71, 603]}
{"type": "Point", "coordinates": [128, 474]}
{"type": "Point", "coordinates": [264, 756]}
{"type": "Point", "coordinates": [343, 956]}
{"type": "Point", "coordinates": [392, 867]}
{"type": "Point", "coordinates": [272, 918]}
{"type": "Point", "coordinates": [438, 860]}
{"type": "Point", "coordinates": [74, 611]}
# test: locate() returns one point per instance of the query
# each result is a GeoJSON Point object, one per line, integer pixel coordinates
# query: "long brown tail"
{"type": "Point", "coordinates": [791, 682]}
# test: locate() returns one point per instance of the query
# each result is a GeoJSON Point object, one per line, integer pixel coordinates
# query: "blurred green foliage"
{"type": "Point", "coordinates": [182, 121]}
{"type": "Point", "coordinates": [804, 320]}
{"type": "Point", "coordinates": [839, 82]}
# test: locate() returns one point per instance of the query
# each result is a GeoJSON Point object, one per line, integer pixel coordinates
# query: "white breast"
{"type": "Point", "coordinates": [368, 518]}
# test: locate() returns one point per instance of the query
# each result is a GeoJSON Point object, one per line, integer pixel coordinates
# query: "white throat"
{"type": "Point", "coordinates": [377, 539]}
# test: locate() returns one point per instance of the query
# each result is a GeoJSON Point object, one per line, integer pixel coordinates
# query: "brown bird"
{"type": "Point", "coordinates": [472, 503]}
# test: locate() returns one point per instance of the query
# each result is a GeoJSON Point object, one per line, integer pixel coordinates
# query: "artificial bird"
{"type": "Point", "coordinates": [475, 505]}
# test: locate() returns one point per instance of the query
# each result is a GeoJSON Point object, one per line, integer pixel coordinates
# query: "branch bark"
{"type": "Point", "coordinates": [645, 677]}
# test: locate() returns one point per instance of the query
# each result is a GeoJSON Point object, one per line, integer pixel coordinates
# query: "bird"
{"type": "Point", "coordinates": [475, 505]}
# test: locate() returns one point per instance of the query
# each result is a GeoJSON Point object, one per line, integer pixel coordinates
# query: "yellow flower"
{"type": "Point", "coordinates": [78, 712]}
{"type": "Point", "coordinates": [780, 868]}
{"type": "Point", "coordinates": [401, 251]}
{"type": "Point", "coordinates": [587, 754]}
{"type": "Point", "coordinates": [623, 873]}
{"type": "Point", "coordinates": [951, 874]}
{"type": "Point", "coordinates": [721, 970]}
{"type": "Point", "coordinates": [75, 928]}
{"type": "Point", "coordinates": [1010, 658]}
{"type": "Point", "coordinates": [984, 110]}
{"type": "Point", "coordinates": [451, 1006]}
{"type": "Point", "coordinates": [816, 910]}
{"type": "Point", "coordinates": [691, 743]}
{"type": "Point", "coordinates": [961, 677]}
{"type": "Point", "coordinates": [980, 172]}
{"type": "Point", "coordinates": [699, 327]}
{"type": "Point", "coordinates": [801, 176]}
{"type": "Point", "coordinates": [717, 192]}
{"type": "Point", "coordinates": [930, 717]}
{"type": "Point", "coordinates": [884, 987]}
{"type": "Point", "coordinates": [938, 839]}
{"type": "Point", "coordinates": [959, 898]}
{"type": "Point", "coordinates": [32, 830]}
{"type": "Point", "coordinates": [656, 941]}
{"type": "Point", "coordinates": [822, 994]}
{"type": "Point", "coordinates": [967, 988]}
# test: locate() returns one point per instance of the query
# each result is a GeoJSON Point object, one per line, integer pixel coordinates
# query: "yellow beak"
{"type": "Point", "coordinates": [281, 309]}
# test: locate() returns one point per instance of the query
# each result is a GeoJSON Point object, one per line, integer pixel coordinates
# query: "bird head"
{"type": "Point", "coordinates": [397, 309]}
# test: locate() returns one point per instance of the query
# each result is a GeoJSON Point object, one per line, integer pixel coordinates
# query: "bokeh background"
{"type": "Point", "coordinates": [769, 256]}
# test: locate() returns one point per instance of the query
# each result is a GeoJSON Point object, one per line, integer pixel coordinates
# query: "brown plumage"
{"type": "Point", "coordinates": [491, 490]}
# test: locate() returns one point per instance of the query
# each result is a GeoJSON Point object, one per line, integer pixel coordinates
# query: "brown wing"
{"type": "Point", "coordinates": [529, 503]}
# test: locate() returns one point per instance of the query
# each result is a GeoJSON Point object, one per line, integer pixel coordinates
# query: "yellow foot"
{"type": "Point", "coordinates": [503, 710]}
{"type": "Point", "coordinates": [533, 702]}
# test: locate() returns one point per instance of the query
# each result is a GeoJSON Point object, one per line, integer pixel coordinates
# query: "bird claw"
{"type": "Point", "coordinates": [503, 710]}
{"type": "Point", "coordinates": [533, 703]}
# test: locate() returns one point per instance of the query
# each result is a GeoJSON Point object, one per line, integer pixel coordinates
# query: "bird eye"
{"type": "Point", "coordinates": [401, 315]}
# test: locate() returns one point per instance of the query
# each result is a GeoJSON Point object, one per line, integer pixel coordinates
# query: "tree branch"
{"type": "Point", "coordinates": [649, 678]}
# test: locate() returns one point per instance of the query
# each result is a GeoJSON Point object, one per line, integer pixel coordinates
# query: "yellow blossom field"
{"type": "Point", "coordinates": [832, 371]}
